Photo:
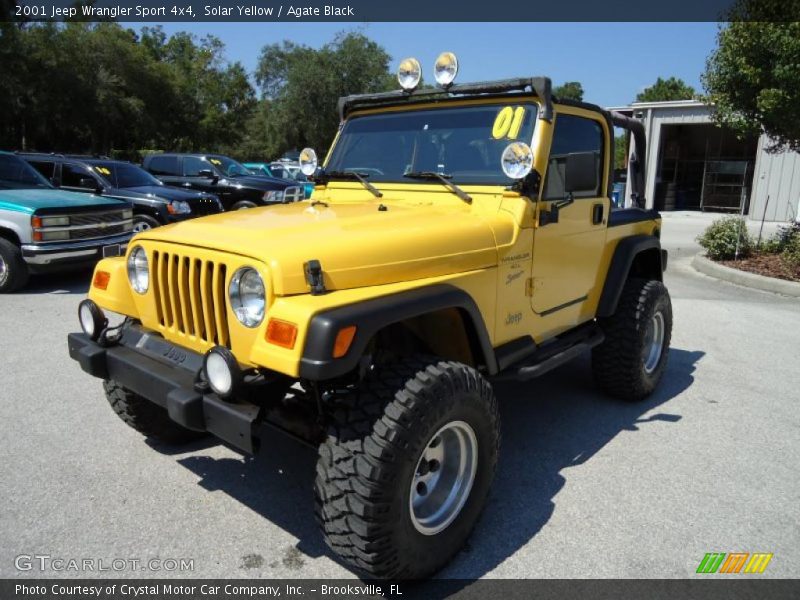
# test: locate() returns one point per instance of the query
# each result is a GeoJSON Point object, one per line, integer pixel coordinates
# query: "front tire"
{"type": "Point", "coordinates": [243, 204]}
{"type": "Point", "coordinates": [420, 429]}
{"type": "Point", "coordinates": [13, 270]}
{"type": "Point", "coordinates": [144, 223]}
{"type": "Point", "coordinates": [631, 361]}
{"type": "Point", "coordinates": [145, 417]}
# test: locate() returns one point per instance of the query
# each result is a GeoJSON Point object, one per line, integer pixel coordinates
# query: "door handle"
{"type": "Point", "coordinates": [597, 214]}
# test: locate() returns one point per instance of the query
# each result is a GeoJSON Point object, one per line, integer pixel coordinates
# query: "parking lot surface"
{"type": "Point", "coordinates": [586, 486]}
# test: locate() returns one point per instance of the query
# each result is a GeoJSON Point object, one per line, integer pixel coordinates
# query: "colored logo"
{"type": "Point", "coordinates": [734, 562]}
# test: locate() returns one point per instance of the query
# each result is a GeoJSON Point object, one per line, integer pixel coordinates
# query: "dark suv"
{"type": "Point", "coordinates": [235, 185]}
{"type": "Point", "coordinates": [153, 202]}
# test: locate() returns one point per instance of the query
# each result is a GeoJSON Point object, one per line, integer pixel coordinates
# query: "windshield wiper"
{"type": "Point", "coordinates": [361, 177]}
{"type": "Point", "coordinates": [445, 179]}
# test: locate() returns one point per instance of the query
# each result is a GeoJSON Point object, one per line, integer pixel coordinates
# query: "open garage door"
{"type": "Point", "coordinates": [704, 167]}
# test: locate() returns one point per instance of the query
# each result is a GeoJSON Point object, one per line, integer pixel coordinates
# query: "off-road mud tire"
{"type": "Point", "coordinates": [145, 417]}
{"type": "Point", "coordinates": [618, 364]}
{"type": "Point", "coordinates": [367, 463]}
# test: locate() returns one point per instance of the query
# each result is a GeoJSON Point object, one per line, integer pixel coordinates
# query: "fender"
{"type": "Point", "coordinates": [624, 255]}
{"type": "Point", "coordinates": [20, 227]}
{"type": "Point", "coordinates": [371, 316]}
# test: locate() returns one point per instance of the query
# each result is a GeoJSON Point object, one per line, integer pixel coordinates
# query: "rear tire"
{"type": "Point", "coordinates": [13, 270]}
{"type": "Point", "coordinates": [145, 417]}
{"type": "Point", "coordinates": [630, 362]}
{"type": "Point", "coordinates": [374, 473]}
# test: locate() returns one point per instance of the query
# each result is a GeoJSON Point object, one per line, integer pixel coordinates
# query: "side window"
{"type": "Point", "coordinates": [572, 134]}
{"type": "Point", "coordinates": [163, 165]}
{"type": "Point", "coordinates": [74, 176]}
{"type": "Point", "coordinates": [192, 166]}
{"type": "Point", "coordinates": [46, 168]}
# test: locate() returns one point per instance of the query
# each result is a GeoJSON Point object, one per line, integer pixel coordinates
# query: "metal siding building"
{"type": "Point", "coordinates": [670, 128]}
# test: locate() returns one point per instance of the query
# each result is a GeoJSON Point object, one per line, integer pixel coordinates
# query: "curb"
{"type": "Point", "coordinates": [751, 280]}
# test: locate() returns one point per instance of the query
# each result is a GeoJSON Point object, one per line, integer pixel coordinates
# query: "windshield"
{"type": "Point", "coordinates": [228, 166]}
{"type": "Point", "coordinates": [463, 142]}
{"type": "Point", "coordinates": [15, 174]}
{"type": "Point", "coordinates": [125, 175]}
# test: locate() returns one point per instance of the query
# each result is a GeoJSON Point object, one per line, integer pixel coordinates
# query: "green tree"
{"type": "Point", "coordinates": [300, 87]}
{"type": "Point", "coordinates": [666, 89]}
{"type": "Point", "coordinates": [753, 76]}
{"type": "Point", "coordinates": [571, 90]}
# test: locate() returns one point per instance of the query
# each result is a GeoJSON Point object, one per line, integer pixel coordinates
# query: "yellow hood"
{"type": "Point", "coordinates": [357, 244]}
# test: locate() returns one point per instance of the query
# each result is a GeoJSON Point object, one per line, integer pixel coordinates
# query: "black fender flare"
{"type": "Point", "coordinates": [370, 316]}
{"type": "Point", "coordinates": [624, 254]}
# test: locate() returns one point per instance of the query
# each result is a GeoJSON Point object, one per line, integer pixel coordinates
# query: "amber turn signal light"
{"type": "Point", "coordinates": [101, 279]}
{"type": "Point", "coordinates": [281, 333]}
{"type": "Point", "coordinates": [343, 341]}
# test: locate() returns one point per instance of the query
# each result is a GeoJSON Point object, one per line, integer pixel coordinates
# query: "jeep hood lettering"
{"type": "Point", "coordinates": [357, 244]}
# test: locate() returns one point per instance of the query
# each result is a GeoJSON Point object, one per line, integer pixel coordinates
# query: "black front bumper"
{"type": "Point", "coordinates": [139, 362]}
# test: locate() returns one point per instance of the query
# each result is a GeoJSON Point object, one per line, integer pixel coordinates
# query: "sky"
{"type": "Point", "coordinates": [613, 61]}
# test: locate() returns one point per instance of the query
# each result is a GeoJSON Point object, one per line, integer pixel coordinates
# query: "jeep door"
{"type": "Point", "coordinates": [568, 252]}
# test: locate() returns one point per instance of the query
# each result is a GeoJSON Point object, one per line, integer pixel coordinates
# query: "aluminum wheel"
{"type": "Point", "coordinates": [3, 270]}
{"type": "Point", "coordinates": [653, 343]}
{"type": "Point", "coordinates": [443, 478]}
{"type": "Point", "coordinates": [139, 226]}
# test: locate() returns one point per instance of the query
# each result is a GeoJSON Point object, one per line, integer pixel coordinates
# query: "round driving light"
{"type": "Point", "coordinates": [409, 73]}
{"type": "Point", "coordinates": [445, 69]}
{"type": "Point", "coordinates": [248, 296]}
{"type": "Point", "coordinates": [222, 371]}
{"type": "Point", "coordinates": [138, 270]}
{"type": "Point", "coordinates": [517, 160]}
{"type": "Point", "coordinates": [92, 319]}
{"type": "Point", "coordinates": [308, 161]}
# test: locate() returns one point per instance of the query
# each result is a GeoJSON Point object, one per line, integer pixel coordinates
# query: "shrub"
{"type": "Point", "coordinates": [791, 250]}
{"type": "Point", "coordinates": [720, 239]}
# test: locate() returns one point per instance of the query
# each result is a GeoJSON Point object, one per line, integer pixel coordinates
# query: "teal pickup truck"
{"type": "Point", "coordinates": [44, 229]}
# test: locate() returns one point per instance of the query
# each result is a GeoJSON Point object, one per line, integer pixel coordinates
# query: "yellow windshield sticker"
{"type": "Point", "coordinates": [102, 170]}
{"type": "Point", "coordinates": [215, 161]}
{"type": "Point", "coordinates": [508, 122]}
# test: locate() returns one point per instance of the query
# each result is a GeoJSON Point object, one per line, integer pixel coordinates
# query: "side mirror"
{"type": "Point", "coordinates": [87, 183]}
{"type": "Point", "coordinates": [580, 172]}
{"type": "Point", "coordinates": [207, 173]}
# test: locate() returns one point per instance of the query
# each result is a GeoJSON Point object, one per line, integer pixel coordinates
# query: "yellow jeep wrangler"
{"type": "Point", "coordinates": [457, 235]}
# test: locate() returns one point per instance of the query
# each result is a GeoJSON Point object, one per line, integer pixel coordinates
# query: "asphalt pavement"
{"type": "Point", "coordinates": [586, 487]}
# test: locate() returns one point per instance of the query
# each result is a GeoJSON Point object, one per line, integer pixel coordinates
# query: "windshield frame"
{"type": "Point", "coordinates": [531, 104]}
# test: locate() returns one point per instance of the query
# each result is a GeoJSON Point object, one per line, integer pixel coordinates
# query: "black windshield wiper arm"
{"type": "Point", "coordinates": [361, 177]}
{"type": "Point", "coordinates": [445, 179]}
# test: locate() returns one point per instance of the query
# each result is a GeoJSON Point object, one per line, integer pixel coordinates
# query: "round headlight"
{"type": "Point", "coordinates": [445, 69]}
{"type": "Point", "coordinates": [409, 73]}
{"type": "Point", "coordinates": [248, 296]}
{"type": "Point", "coordinates": [138, 270]}
{"type": "Point", "coordinates": [517, 160]}
{"type": "Point", "coordinates": [308, 161]}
